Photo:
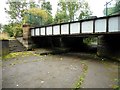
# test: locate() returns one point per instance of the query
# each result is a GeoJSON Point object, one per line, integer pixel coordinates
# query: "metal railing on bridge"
{"type": "Point", "coordinates": [101, 25]}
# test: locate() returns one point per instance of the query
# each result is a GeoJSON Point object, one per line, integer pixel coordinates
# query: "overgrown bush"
{"type": "Point", "coordinates": [13, 29]}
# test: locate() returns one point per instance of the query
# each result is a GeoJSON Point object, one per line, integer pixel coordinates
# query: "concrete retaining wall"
{"type": "Point", "coordinates": [4, 47]}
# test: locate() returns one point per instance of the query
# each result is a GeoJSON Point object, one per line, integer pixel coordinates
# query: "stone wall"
{"type": "Point", "coordinates": [109, 46]}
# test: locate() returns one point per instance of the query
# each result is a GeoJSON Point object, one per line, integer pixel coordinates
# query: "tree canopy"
{"type": "Point", "coordinates": [117, 7]}
{"type": "Point", "coordinates": [72, 10]}
{"type": "Point", "coordinates": [47, 6]}
{"type": "Point", "coordinates": [114, 9]}
{"type": "Point", "coordinates": [21, 12]}
{"type": "Point", "coordinates": [16, 10]}
{"type": "Point", "coordinates": [37, 17]}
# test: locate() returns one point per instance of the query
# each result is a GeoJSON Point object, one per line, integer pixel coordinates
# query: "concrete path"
{"type": "Point", "coordinates": [30, 70]}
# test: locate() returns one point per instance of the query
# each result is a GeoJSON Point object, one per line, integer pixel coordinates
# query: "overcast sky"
{"type": "Point", "coordinates": [96, 7]}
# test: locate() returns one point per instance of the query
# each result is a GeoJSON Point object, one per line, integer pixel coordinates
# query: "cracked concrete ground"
{"type": "Point", "coordinates": [58, 71]}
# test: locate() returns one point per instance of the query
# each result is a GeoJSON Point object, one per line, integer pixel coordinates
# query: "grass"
{"type": "Point", "coordinates": [116, 87]}
{"type": "Point", "coordinates": [82, 77]}
{"type": "Point", "coordinates": [16, 54]}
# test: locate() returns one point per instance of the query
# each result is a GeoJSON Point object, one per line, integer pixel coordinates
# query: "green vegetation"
{"type": "Point", "coordinates": [47, 6]}
{"type": "Point", "coordinates": [23, 12]}
{"type": "Point", "coordinates": [16, 54]}
{"type": "Point", "coordinates": [82, 77]}
{"type": "Point", "coordinates": [90, 40]}
{"type": "Point", "coordinates": [116, 87]}
{"type": "Point", "coordinates": [14, 58]}
{"type": "Point", "coordinates": [117, 7]}
{"type": "Point", "coordinates": [114, 9]}
{"type": "Point", "coordinates": [71, 11]}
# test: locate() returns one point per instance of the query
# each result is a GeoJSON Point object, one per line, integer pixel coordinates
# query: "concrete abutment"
{"type": "Point", "coordinates": [109, 46]}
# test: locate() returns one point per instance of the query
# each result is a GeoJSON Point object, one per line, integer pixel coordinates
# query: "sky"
{"type": "Point", "coordinates": [96, 6]}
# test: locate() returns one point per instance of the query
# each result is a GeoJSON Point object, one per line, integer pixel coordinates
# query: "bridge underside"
{"type": "Point", "coordinates": [108, 45]}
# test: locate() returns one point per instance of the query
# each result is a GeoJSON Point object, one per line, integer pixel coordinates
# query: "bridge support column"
{"type": "Point", "coordinates": [109, 46]}
{"type": "Point", "coordinates": [27, 42]}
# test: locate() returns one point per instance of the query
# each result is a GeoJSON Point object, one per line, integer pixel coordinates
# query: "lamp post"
{"type": "Point", "coordinates": [107, 6]}
{"type": "Point", "coordinates": [106, 9]}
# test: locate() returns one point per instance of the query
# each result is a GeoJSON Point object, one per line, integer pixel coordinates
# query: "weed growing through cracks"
{"type": "Point", "coordinates": [82, 77]}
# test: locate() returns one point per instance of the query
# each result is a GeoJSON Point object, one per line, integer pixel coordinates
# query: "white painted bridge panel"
{"type": "Point", "coordinates": [75, 28]}
{"type": "Point", "coordinates": [100, 25]}
{"type": "Point", "coordinates": [56, 30]}
{"type": "Point", "coordinates": [49, 30]}
{"type": "Point", "coordinates": [32, 32]}
{"type": "Point", "coordinates": [37, 32]}
{"type": "Point", "coordinates": [114, 24]}
{"type": "Point", "coordinates": [65, 29]}
{"type": "Point", "coordinates": [87, 27]}
{"type": "Point", "coordinates": [43, 31]}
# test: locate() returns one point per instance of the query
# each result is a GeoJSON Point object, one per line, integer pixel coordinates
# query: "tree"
{"type": "Point", "coordinates": [117, 7]}
{"type": "Point", "coordinates": [73, 7]}
{"type": "Point", "coordinates": [22, 12]}
{"type": "Point", "coordinates": [47, 6]}
{"type": "Point", "coordinates": [84, 10]}
{"type": "Point", "coordinates": [33, 5]}
{"type": "Point", "coordinates": [16, 10]}
{"type": "Point", "coordinates": [37, 17]}
{"type": "Point", "coordinates": [61, 17]}
{"type": "Point", "coordinates": [72, 11]}
{"type": "Point", "coordinates": [49, 19]}
{"type": "Point", "coordinates": [109, 11]}
{"type": "Point", "coordinates": [13, 29]}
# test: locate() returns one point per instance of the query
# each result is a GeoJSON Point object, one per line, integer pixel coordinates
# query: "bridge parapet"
{"type": "Point", "coordinates": [101, 25]}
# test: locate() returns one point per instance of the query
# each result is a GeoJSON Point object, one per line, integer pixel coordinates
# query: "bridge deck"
{"type": "Point", "coordinates": [102, 25]}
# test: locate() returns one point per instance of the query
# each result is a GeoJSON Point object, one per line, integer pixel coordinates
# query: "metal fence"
{"type": "Point", "coordinates": [110, 7]}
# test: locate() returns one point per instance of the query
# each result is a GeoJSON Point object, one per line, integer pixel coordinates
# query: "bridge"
{"type": "Point", "coordinates": [102, 25]}
{"type": "Point", "coordinates": [71, 34]}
